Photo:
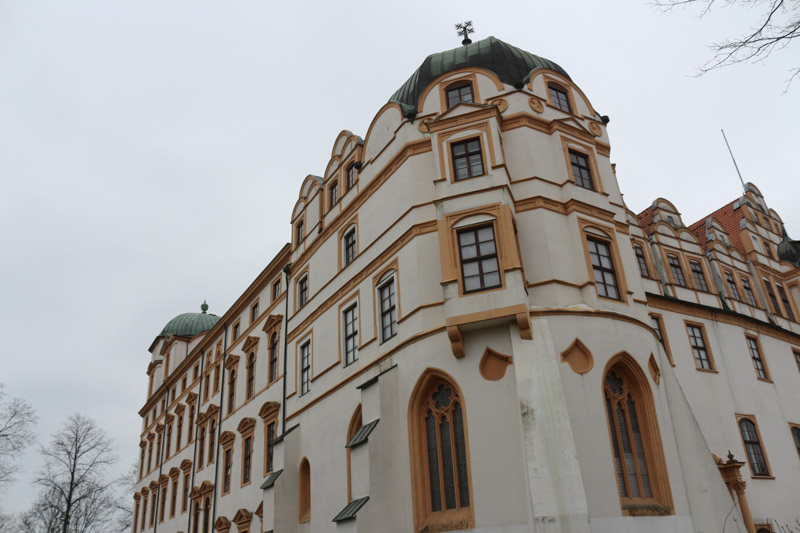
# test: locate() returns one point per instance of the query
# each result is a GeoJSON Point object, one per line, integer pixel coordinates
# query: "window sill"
{"type": "Point", "coordinates": [458, 180]}
{"type": "Point", "coordinates": [708, 370]}
{"type": "Point", "coordinates": [765, 380]}
{"type": "Point", "coordinates": [757, 476]}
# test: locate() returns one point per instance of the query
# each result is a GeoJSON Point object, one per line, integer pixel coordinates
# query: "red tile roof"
{"type": "Point", "coordinates": [729, 218]}
{"type": "Point", "coordinates": [646, 218]}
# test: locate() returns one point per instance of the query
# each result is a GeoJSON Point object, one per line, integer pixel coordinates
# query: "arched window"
{"type": "Point", "coordinates": [206, 515]}
{"type": "Point", "coordinates": [304, 492]}
{"type": "Point", "coordinates": [459, 92]}
{"type": "Point", "coordinates": [355, 425]}
{"type": "Point", "coordinates": [439, 460]}
{"type": "Point", "coordinates": [752, 445]}
{"type": "Point", "coordinates": [251, 375]}
{"type": "Point", "coordinates": [639, 462]}
{"type": "Point", "coordinates": [273, 357]}
{"type": "Point", "coordinates": [231, 390]}
{"type": "Point", "coordinates": [559, 97]}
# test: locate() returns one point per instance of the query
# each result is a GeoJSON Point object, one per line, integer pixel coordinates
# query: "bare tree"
{"type": "Point", "coordinates": [124, 520]}
{"type": "Point", "coordinates": [777, 27]}
{"type": "Point", "coordinates": [17, 418]}
{"type": "Point", "coordinates": [76, 489]}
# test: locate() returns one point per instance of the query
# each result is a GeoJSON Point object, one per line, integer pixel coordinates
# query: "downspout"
{"type": "Point", "coordinates": [286, 270]}
{"type": "Point", "coordinates": [194, 447]}
{"type": "Point", "coordinates": [219, 423]}
{"type": "Point", "coordinates": [160, 466]}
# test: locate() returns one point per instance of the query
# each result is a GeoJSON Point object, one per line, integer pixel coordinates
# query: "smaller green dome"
{"type": "Point", "coordinates": [190, 324]}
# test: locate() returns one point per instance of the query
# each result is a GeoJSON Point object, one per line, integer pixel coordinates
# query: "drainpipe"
{"type": "Point", "coordinates": [160, 465]}
{"type": "Point", "coordinates": [219, 424]}
{"type": "Point", "coordinates": [286, 270]}
{"type": "Point", "coordinates": [194, 447]}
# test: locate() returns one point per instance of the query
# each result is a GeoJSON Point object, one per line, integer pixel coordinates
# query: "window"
{"type": "Point", "coordinates": [270, 445]}
{"type": "Point", "coordinates": [388, 310]}
{"type": "Point", "coordinates": [773, 300]}
{"type": "Point", "coordinates": [183, 384]}
{"type": "Point", "coordinates": [206, 515]}
{"type": "Point", "coordinates": [605, 277]}
{"type": "Point", "coordinates": [273, 357]}
{"type": "Point", "coordinates": [299, 232]}
{"type": "Point", "coordinates": [150, 456]}
{"type": "Point", "coordinates": [752, 445]}
{"type": "Point", "coordinates": [247, 459]}
{"type": "Point", "coordinates": [212, 436]}
{"type": "Point", "coordinates": [748, 291]}
{"type": "Point", "coordinates": [174, 500]}
{"type": "Point", "coordinates": [785, 300]}
{"type": "Point", "coordinates": [302, 291]}
{"type": "Point", "coordinates": [196, 526]}
{"type": "Point", "coordinates": [350, 179]}
{"type": "Point", "coordinates": [153, 509]}
{"type": "Point", "coordinates": [185, 497]}
{"type": "Point", "coordinates": [201, 447]}
{"type": "Point", "coordinates": [305, 368]}
{"type": "Point", "coordinates": [276, 290]}
{"type": "Point", "coordinates": [195, 375]}
{"type": "Point", "coordinates": [251, 375]}
{"type": "Point", "coordinates": [699, 277]}
{"type": "Point", "coordinates": [478, 252]}
{"type": "Point", "coordinates": [351, 334]}
{"type": "Point", "coordinates": [559, 97]}
{"type": "Point", "coordinates": [467, 159]}
{"type": "Point", "coordinates": [206, 387]}
{"type": "Point", "coordinates": [796, 358]}
{"type": "Point", "coordinates": [135, 513]}
{"type": "Point", "coordinates": [635, 442]}
{"type": "Point", "coordinates": [697, 339]}
{"type": "Point", "coordinates": [168, 444]}
{"type": "Point", "coordinates": [144, 509]}
{"type": "Point", "coordinates": [216, 379]}
{"type": "Point", "coordinates": [642, 261]}
{"type": "Point", "coordinates": [767, 249]}
{"type": "Point", "coordinates": [796, 437]}
{"type": "Point", "coordinates": [304, 492]}
{"type": "Point", "coordinates": [439, 458]}
{"type": "Point", "coordinates": [163, 503]}
{"type": "Point", "coordinates": [350, 246]}
{"type": "Point", "coordinates": [758, 361]}
{"type": "Point", "coordinates": [179, 432]}
{"type": "Point", "coordinates": [236, 331]}
{"type": "Point", "coordinates": [333, 194]}
{"type": "Point", "coordinates": [190, 424]}
{"type": "Point", "coordinates": [459, 92]}
{"type": "Point", "coordinates": [352, 430]}
{"type": "Point", "coordinates": [676, 269]}
{"type": "Point", "coordinates": [580, 170]}
{"type": "Point", "coordinates": [226, 471]}
{"type": "Point", "coordinates": [231, 390]}
{"type": "Point", "coordinates": [732, 285]}
{"type": "Point", "coordinates": [254, 313]}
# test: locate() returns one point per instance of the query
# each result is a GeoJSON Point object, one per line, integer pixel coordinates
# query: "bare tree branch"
{"type": "Point", "coordinates": [17, 418]}
{"type": "Point", "coordinates": [78, 495]}
{"type": "Point", "coordinates": [777, 28]}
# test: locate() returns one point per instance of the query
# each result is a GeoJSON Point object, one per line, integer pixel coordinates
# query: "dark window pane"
{"type": "Point", "coordinates": [433, 462]}
{"type": "Point", "coordinates": [447, 465]}
{"type": "Point", "coordinates": [467, 159]}
{"type": "Point", "coordinates": [461, 456]}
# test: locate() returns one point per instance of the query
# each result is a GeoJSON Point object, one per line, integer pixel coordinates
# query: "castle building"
{"type": "Point", "coordinates": [470, 331]}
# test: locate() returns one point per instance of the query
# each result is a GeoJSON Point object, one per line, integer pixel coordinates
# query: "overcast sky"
{"type": "Point", "coordinates": [151, 152]}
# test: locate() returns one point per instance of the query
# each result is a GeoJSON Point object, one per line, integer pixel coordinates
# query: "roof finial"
{"type": "Point", "coordinates": [464, 30]}
{"type": "Point", "coordinates": [204, 307]}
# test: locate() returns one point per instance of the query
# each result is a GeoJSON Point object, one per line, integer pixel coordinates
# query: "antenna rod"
{"type": "Point", "coordinates": [734, 159]}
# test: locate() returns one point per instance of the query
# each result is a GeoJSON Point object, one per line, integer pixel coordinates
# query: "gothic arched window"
{"type": "Point", "coordinates": [439, 455]}
{"type": "Point", "coordinates": [639, 464]}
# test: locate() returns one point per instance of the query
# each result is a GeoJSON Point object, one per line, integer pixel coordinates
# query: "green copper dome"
{"type": "Point", "coordinates": [190, 324]}
{"type": "Point", "coordinates": [512, 65]}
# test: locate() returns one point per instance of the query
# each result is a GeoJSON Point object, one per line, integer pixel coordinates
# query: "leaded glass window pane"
{"type": "Point", "coordinates": [433, 462]}
{"type": "Point", "coordinates": [461, 456]}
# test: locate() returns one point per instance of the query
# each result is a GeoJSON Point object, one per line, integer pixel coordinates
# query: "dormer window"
{"type": "Point", "coordinates": [299, 232]}
{"type": "Point", "coordinates": [559, 97]}
{"type": "Point", "coordinates": [351, 176]}
{"type": "Point", "coordinates": [459, 92]}
{"type": "Point", "coordinates": [333, 191]}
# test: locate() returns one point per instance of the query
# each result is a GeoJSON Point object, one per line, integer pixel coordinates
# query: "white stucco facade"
{"type": "Point", "coordinates": [526, 364]}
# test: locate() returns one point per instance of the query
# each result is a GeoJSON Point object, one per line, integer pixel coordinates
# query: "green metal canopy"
{"type": "Point", "coordinates": [512, 65]}
{"type": "Point", "coordinates": [190, 324]}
